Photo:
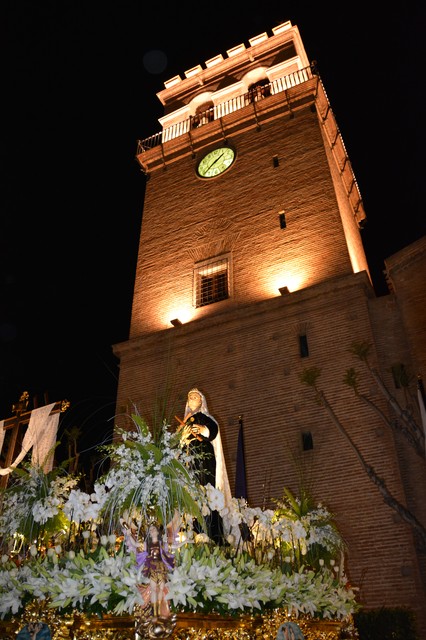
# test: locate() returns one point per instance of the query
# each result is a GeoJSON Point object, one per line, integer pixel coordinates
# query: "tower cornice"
{"type": "Point", "coordinates": [262, 51]}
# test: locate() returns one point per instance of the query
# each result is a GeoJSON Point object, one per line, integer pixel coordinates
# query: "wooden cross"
{"type": "Point", "coordinates": [14, 427]}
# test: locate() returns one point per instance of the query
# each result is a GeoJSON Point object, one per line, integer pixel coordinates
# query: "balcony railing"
{"type": "Point", "coordinates": [255, 93]}
{"type": "Point", "coordinates": [260, 91]}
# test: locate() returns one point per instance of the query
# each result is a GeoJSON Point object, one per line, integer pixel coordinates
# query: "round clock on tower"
{"type": "Point", "coordinates": [216, 162]}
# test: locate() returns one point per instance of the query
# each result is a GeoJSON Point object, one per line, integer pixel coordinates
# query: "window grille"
{"type": "Point", "coordinates": [211, 281]}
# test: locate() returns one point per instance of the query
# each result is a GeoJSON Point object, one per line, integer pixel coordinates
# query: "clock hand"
{"type": "Point", "coordinates": [214, 161]}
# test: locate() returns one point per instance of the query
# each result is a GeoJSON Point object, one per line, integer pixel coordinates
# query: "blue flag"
{"type": "Point", "coordinates": [240, 470]}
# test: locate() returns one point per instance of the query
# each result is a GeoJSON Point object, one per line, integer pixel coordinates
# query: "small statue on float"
{"type": "Point", "coordinates": [156, 562]}
{"type": "Point", "coordinates": [156, 619]}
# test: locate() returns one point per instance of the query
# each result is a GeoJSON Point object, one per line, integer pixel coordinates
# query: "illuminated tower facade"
{"type": "Point", "coordinates": [251, 269]}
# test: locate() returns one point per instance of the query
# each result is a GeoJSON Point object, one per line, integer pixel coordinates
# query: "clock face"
{"type": "Point", "coordinates": [216, 162]}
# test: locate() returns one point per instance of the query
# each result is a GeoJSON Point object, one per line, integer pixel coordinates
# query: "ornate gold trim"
{"type": "Point", "coordinates": [181, 626]}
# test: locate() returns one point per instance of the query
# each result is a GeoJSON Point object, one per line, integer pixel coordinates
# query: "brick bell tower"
{"type": "Point", "coordinates": [251, 268]}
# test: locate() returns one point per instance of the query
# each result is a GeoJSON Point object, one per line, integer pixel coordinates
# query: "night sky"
{"type": "Point", "coordinates": [79, 84]}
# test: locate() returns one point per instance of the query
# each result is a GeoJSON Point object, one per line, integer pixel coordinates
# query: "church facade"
{"type": "Point", "coordinates": [251, 271]}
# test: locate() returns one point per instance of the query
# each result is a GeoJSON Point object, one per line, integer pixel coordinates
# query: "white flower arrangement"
{"type": "Point", "coordinates": [65, 547]}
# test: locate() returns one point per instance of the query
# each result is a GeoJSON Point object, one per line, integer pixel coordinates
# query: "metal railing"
{"type": "Point", "coordinates": [255, 93]}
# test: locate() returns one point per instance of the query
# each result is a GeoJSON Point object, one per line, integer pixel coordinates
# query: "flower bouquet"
{"type": "Point", "coordinates": [68, 549]}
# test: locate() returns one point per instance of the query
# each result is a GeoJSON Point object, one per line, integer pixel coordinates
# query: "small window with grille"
{"type": "Point", "coordinates": [211, 281]}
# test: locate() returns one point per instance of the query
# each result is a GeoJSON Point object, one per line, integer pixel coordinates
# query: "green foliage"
{"type": "Point", "coordinates": [295, 508]}
{"type": "Point", "coordinates": [361, 350]}
{"type": "Point", "coordinates": [386, 624]}
{"type": "Point", "coordinates": [322, 542]}
{"type": "Point", "coordinates": [150, 476]}
{"type": "Point", "coordinates": [310, 376]}
{"type": "Point", "coordinates": [29, 488]}
{"type": "Point", "coordinates": [351, 379]}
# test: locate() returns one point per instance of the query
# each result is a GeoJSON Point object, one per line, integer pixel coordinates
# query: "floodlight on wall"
{"type": "Point", "coordinates": [284, 291]}
{"type": "Point", "coordinates": [176, 322]}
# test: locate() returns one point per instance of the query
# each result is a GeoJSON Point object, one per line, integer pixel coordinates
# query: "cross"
{"type": "Point", "coordinates": [14, 427]}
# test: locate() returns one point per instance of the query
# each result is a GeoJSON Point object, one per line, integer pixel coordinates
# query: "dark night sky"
{"type": "Point", "coordinates": [79, 89]}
